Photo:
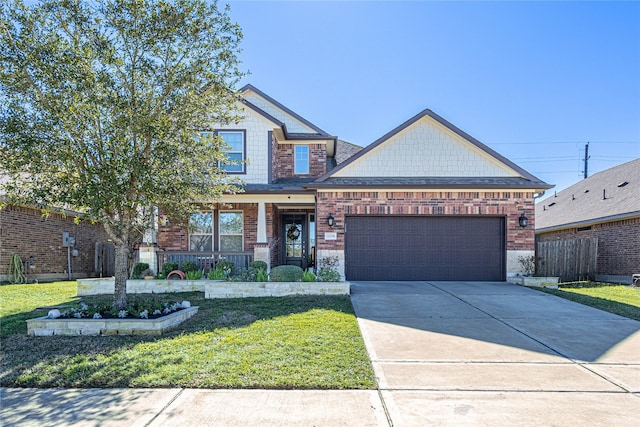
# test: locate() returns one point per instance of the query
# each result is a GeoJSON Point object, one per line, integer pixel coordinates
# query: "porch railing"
{"type": "Point", "coordinates": [205, 260]}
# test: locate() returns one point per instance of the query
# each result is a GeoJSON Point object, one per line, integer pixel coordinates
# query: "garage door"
{"type": "Point", "coordinates": [425, 248]}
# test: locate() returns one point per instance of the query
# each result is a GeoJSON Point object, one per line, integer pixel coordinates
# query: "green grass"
{"type": "Point", "coordinates": [617, 299]}
{"type": "Point", "coordinates": [308, 342]}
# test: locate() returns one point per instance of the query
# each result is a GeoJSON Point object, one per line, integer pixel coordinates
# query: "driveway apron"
{"type": "Point", "coordinates": [487, 353]}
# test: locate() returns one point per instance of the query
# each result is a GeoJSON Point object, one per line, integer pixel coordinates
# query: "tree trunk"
{"type": "Point", "coordinates": [121, 276]}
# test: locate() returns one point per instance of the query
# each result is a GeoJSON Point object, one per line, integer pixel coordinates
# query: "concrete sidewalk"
{"type": "Point", "coordinates": [444, 353]}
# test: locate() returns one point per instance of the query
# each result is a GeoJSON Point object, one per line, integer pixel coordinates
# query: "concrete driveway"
{"type": "Point", "coordinates": [497, 354]}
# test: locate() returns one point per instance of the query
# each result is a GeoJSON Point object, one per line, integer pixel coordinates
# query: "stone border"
{"type": "Point", "coordinates": [215, 288]}
{"type": "Point", "coordinates": [44, 326]}
{"type": "Point", "coordinates": [538, 282]}
{"type": "Point", "coordinates": [106, 286]}
{"type": "Point", "coordinates": [273, 289]}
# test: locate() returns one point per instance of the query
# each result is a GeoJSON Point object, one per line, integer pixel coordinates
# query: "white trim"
{"type": "Point", "coordinates": [306, 164]}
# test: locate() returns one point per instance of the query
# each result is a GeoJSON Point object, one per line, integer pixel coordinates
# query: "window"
{"type": "Point", "coordinates": [231, 231]}
{"type": "Point", "coordinates": [301, 160]}
{"type": "Point", "coordinates": [201, 232]}
{"type": "Point", "coordinates": [235, 150]}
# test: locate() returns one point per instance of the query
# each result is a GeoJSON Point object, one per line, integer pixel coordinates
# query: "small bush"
{"type": "Point", "coordinates": [261, 275]}
{"type": "Point", "coordinates": [326, 275]}
{"type": "Point", "coordinates": [193, 275]}
{"type": "Point", "coordinates": [328, 271]}
{"type": "Point", "coordinates": [138, 268]}
{"type": "Point", "coordinates": [286, 273]}
{"type": "Point", "coordinates": [527, 264]}
{"type": "Point", "coordinates": [227, 266]}
{"type": "Point", "coordinates": [188, 266]}
{"type": "Point", "coordinates": [308, 276]}
{"type": "Point", "coordinates": [168, 267]}
{"type": "Point", "coordinates": [217, 274]}
{"type": "Point", "coordinates": [257, 265]}
{"type": "Point", "coordinates": [244, 275]}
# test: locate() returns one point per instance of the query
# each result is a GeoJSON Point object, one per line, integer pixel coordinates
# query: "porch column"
{"type": "Point", "coordinates": [261, 251]}
{"type": "Point", "coordinates": [262, 223]}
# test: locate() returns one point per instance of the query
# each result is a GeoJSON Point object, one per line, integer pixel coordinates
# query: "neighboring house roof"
{"type": "Point", "coordinates": [428, 151]}
{"type": "Point", "coordinates": [602, 197]}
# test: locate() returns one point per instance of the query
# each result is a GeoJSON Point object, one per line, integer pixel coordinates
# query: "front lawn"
{"type": "Point", "coordinates": [617, 299]}
{"type": "Point", "coordinates": [309, 342]}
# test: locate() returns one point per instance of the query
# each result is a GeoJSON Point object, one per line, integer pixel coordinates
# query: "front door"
{"type": "Point", "coordinates": [294, 236]}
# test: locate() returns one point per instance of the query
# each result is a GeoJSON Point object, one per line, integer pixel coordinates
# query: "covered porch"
{"type": "Point", "coordinates": [279, 229]}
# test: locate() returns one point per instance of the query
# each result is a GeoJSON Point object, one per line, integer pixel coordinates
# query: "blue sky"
{"type": "Point", "coordinates": [535, 81]}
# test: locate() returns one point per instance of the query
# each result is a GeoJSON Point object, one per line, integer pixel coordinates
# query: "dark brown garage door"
{"type": "Point", "coordinates": [425, 248]}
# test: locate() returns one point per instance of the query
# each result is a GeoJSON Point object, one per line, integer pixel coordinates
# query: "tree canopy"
{"type": "Point", "coordinates": [102, 103]}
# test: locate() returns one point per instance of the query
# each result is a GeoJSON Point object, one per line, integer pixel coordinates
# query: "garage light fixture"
{"type": "Point", "coordinates": [331, 221]}
{"type": "Point", "coordinates": [523, 220]}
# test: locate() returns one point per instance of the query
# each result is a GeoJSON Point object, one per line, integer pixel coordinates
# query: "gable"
{"type": "Point", "coordinates": [426, 148]}
{"type": "Point", "coordinates": [294, 123]}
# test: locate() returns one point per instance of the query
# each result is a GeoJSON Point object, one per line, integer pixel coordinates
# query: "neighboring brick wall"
{"type": "Point", "coordinates": [509, 204]}
{"type": "Point", "coordinates": [285, 161]}
{"type": "Point", "coordinates": [26, 232]}
{"type": "Point", "coordinates": [618, 245]}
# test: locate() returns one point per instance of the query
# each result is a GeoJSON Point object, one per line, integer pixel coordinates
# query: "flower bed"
{"type": "Point", "coordinates": [44, 326]}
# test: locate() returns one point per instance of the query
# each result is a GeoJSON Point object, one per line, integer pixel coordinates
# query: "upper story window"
{"type": "Point", "coordinates": [231, 231]}
{"type": "Point", "coordinates": [301, 160]}
{"type": "Point", "coordinates": [235, 139]}
{"type": "Point", "coordinates": [201, 232]}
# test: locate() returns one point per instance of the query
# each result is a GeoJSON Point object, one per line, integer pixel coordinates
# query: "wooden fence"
{"type": "Point", "coordinates": [571, 260]}
{"type": "Point", "coordinates": [105, 259]}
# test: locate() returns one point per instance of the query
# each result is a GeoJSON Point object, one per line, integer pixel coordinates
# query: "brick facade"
{"type": "Point", "coordinates": [508, 204]}
{"type": "Point", "coordinates": [284, 161]}
{"type": "Point", "coordinates": [618, 244]}
{"type": "Point", "coordinates": [26, 232]}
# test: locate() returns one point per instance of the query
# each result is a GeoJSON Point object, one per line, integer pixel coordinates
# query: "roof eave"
{"type": "Point", "coordinates": [588, 222]}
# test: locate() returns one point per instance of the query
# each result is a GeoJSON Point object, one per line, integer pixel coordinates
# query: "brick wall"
{"type": "Point", "coordinates": [618, 245]}
{"type": "Point", "coordinates": [284, 161]}
{"type": "Point", "coordinates": [26, 232]}
{"type": "Point", "coordinates": [509, 204]}
{"type": "Point", "coordinates": [172, 237]}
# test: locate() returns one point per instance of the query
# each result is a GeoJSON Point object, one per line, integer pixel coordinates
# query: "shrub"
{"type": "Point", "coordinates": [168, 267]}
{"type": "Point", "coordinates": [286, 273]}
{"type": "Point", "coordinates": [261, 275]}
{"type": "Point", "coordinates": [308, 276]}
{"type": "Point", "coordinates": [244, 275]}
{"type": "Point", "coordinates": [328, 271]}
{"type": "Point", "coordinates": [257, 265]}
{"type": "Point", "coordinates": [327, 275]}
{"type": "Point", "coordinates": [227, 266]}
{"type": "Point", "coordinates": [193, 275]}
{"type": "Point", "coordinates": [188, 266]}
{"type": "Point", "coordinates": [138, 268]}
{"type": "Point", "coordinates": [217, 274]}
{"type": "Point", "coordinates": [527, 264]}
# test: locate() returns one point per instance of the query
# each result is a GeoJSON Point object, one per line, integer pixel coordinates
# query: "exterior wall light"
{"type": "Point", "coordinates": [523, 220]}
{"type": "Point", "coordinates": [331, 221]}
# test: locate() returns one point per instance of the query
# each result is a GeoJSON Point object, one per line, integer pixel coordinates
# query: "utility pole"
{"type": "Point", "coordinates": [586, 160]}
